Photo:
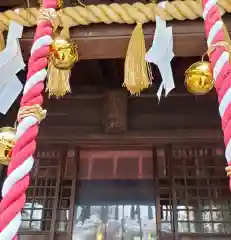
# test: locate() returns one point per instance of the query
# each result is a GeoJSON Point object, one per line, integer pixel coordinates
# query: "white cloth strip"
{"type": "Point", "coordinates": [223, 59]}
{"type": "Point", "coordinates": [228, 152]}
{"type": "Point", "coordinates": [10, 231]}
{"type": "Point", "coordinates": [34, 79]}
{"type": "Point", "coordinates": [208, 7]}
{"type": "Point", "coordinates": [213, 32]}
{"type": "Point", "coordinates": [226, 100]}
{"type": "Point", "coordinates": [25, 124]}
{"type": "Point", "coordinates": [17, 174]}
{"type": "Point", "coordinates": [40, 42]}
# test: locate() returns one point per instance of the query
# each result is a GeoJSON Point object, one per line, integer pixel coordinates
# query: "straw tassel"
{"type": "Point", "coordinates": [58, 84]}
{"type": "Point", "coordinates": [137, 71]}
{"type": "Point", "coordinates": [63, 56]}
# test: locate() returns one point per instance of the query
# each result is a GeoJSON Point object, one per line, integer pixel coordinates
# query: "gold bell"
{"type": "Point", "coordinates": [198, 78]}
{"type": "Point", "coordinates": [63, 53]}
{"type": "Point", "coordinates": [7, 142]}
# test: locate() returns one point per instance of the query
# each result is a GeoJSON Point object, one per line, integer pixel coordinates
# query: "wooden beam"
{"type": "Point", "coordinates": [101, 41]}
{"type": "Point", "coordinates": [10, 3]}
{"type": "Point", "coordinates": [71, 135]}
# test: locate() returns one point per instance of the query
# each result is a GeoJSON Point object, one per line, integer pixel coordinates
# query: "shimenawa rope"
{"type": "Point", "coordinates": [113, 13]}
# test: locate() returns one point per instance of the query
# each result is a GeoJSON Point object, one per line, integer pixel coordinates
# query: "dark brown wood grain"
{"type": "Point", "coordinates": [78, 119]}
{"type": "Point", "coordinates": [12, 3]}
{"type": "Point", "coordinates": [102, 41]}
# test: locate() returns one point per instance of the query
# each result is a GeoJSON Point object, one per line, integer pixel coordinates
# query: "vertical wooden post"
{"type": "Point", "coordinates": [156, 192]}
{"type": "Point", "coordinates": [57, 194]}
{"type": "Point", "coordinates": [115, 111]}
{"type": "Point", "coordinates": [74, 160]}
{"type": "Point", "coordinates": [168, 150]}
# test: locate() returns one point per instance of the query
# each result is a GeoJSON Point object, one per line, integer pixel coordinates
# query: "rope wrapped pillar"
{"type": "Point", "coordinates": [29, 116]}
{"type": "Point", "coordinates": [219, 55]}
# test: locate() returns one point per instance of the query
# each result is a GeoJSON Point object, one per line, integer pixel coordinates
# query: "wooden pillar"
{"type": "Point", "coordinates": [115, 111]}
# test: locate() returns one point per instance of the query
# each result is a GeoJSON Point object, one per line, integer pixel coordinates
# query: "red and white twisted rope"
{"type": "Point", "coordinates": [219, 58]}
{"type": "Point", "coordinates": [17, 181]}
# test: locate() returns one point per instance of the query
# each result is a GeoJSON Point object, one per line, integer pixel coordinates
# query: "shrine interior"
{"type": "Point", "coordinates": [117, 166]}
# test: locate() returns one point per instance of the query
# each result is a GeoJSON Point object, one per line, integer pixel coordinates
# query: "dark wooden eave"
{"type": "Point", "coordinates": [112, 40]}
{"type": "Point", "coordinates": [102, 41]}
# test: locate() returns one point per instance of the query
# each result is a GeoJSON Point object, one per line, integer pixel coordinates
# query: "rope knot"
{"type": "Point", "coordinates": [49, 15]}
{"type": "Point", "coordinates": [35, 110]}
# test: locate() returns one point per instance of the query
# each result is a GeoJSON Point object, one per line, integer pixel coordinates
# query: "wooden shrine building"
{"type": "Point", "coordinates": [114, 166]}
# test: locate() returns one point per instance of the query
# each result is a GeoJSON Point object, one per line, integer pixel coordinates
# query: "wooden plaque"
{"type": "Point", "coordinates": [115, 111]}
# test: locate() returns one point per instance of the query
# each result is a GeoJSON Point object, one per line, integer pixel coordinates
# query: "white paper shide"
{"type": "Point", "coordinates": [161, 54]}
{"type": "Point", "coordinates": [11, 62]}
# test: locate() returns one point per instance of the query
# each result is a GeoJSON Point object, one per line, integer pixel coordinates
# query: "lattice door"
{"type": "Point", "coordinates": [42, 194]}
{"type": "Point", "coordinates": [187, 185]}
{"type": "Point", "coordinates": [49, 205]}
{"type": "Point", "coordinates": [200, 198]}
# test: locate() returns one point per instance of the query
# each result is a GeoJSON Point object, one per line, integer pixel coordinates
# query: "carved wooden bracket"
{"type": "Point", "coordinates": [115, 111]}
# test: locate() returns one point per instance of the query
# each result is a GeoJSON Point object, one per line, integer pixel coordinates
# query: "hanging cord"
{"type": "Point", "coordinates": [82, 4]}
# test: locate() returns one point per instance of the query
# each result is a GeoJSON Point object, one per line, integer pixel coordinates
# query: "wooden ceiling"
{"type": "Point", "coordinates": [79, 117]}
{"type": "Point", "coordinates": [109, 73]}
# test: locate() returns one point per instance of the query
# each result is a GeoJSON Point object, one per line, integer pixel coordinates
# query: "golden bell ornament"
{"type": "Point", "coordinates": [63, 53]}
{"type": "Point", "coordinates": [7, 142]}
{"type": "Point", "coordinates": [198, 78]}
